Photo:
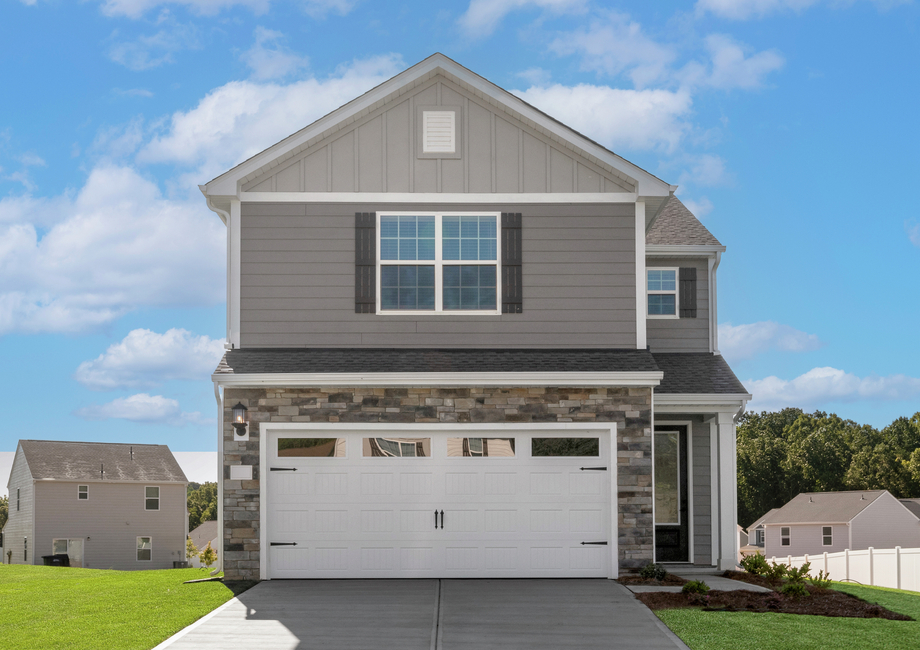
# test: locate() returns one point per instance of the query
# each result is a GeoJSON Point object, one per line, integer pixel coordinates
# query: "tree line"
{"type": "Point", "coordinates": [783, 453]}
{"type": "Point", "coordinates": [202, 503]}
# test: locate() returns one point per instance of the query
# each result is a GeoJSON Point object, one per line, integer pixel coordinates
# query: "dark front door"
{"type": "Point", "coordinates": [672, 529]}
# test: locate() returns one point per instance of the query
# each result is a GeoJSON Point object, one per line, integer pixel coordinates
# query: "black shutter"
{"type": "Point", "coordinates": [688, 293]}
{"type": "Point", "coordinates": [365, 262]}
{"type": "Point", "coordinates": [512, 283]}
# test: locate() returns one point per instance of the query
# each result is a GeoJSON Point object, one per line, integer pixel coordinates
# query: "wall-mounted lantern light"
{"type": "Point", "coordinates": [240, 422]}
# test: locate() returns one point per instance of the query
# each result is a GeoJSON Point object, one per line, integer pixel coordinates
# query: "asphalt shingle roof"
{"type": "Point", "coordinates": [205, 533]}
{"type": "Point", "coordinates": [696, 373]}
{"type": "Point", "coordinates": [84, 461]}
{"type": "Point", "coordinates": [676, 225]}
{"type": "Point", "coordinates": [913, 505]}
{"type": "Point", "coordinates": [823, 507]}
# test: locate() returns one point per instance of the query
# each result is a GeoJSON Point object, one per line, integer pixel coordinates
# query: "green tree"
{"type": "Point", "coordinates": [4, 511]}
{"type": "Point", "coordinates": [208, 556]}
{"type": "Point", "coordinates": [202, 503]}
{"type": "Point", "coordinates": [190, 549]}
{"type": "Point", "coordinates": [762, 451]}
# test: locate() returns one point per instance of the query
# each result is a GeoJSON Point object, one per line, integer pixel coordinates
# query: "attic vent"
{"type": "Point", "coordinates": [439, 132]}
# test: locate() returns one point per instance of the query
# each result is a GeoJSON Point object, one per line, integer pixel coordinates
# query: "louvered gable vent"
{"type": "Point", "coordinates": [439, 132]}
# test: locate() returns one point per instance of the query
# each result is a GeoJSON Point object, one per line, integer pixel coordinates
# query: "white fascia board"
{"type": "Point", "coordinates": [439, 197]}
{"type": "Point", "coordinates": [675, 250]}
{"type": "Point", "coordinates": [689, 403]}
{"type": "Point", "coordinates": [647, 183]}
{"type": "Point", "coordinates": [408, 379]}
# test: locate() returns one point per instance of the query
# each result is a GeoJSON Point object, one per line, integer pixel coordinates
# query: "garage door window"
{"type": "Point", "coordinates": [397, 447]}
{"type": "Point", "coordinates": [311, 447]}
{"type": "Point", "coordinates": [565, 447]}
{"type": "Point", "coordinates": [480, 447]}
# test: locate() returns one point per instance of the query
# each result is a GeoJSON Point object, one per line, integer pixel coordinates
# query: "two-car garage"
{"type": "Point", "coordinates": [413, 501]}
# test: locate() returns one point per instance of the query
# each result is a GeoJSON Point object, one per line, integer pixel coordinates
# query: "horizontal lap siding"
{"type": "Point", "coordinates": [886, 524]}
{"type": "Point", "coordinates": [297, 284]}
{"type": "Point", "coordinates": [19, 525]}
{"type": "Point", "coordinates": [682, 334]}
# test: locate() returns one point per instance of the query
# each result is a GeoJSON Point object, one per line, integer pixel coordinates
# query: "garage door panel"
{"type": "Point", "coordinates": [592, 483]}
{"type": "Point", "coordinates": [416, 484]}
{"type": "Point", "coordinates": [330, 483]}
{"type": "Point", "coordinates": [331, 559]}
{"type": "Point", "coordinates": [377, 521]}
{"type": "Point", "coordinates": [500, 520]}
{"type": "Point", "coordinates": [461, 483]}
{"type": "Point", "coordinates": [586, 521]}
{"type": "Point", "coordinates": [547, 521]}
{"type": "Point", "coordinates": [377, 484]}
{"type": "Point", "coordinates": [546, 483]}
{"type": "Point", "coordinates": [331, 521]}
{"type": "Point", "coordinates": [416, 521]}
{"type": "Point", "coordinates": [587, 558]}
{"type": "Point", "coordinates": [500, 483]}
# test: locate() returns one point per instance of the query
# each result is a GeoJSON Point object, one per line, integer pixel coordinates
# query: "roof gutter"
{"type": "Point", "coordinates": [408, 379]}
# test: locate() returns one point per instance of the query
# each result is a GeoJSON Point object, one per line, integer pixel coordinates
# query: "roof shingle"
{"type": "Point", "coordinates": [700, 373]}
{"type": "Point", "coordinates": [823, 507]}
{"type": "Point", "coordinates": [676, 226]}
{"type": "Point", "coordinates": [90, 461]}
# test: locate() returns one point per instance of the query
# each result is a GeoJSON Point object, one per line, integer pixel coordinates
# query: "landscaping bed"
{"type": "Point", "coordinates": [670, 580]}
{"type": "Point", "coordinates": [820, 602]}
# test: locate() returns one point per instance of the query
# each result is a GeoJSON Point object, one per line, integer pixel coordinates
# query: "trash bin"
{"type": "Point", "coordinates": [58, 559]}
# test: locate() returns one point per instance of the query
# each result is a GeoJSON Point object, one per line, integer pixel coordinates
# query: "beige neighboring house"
{"type": "Point", "coordinates": [755, 536]}
{"type": "Point", "coordinates": [206, 532]}
{"type": "Point", "coordinates": [817, 522]}
{"type": "Point", "coordinates": [106, 505]}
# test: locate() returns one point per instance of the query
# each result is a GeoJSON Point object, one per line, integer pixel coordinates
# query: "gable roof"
{"type": "Point", "coordinates": [106, 461]}
{"type": "Point", "coordinates": [648, 185]}
{"type": "Point", "coordinates": [696, 373]}
{"type": "Point", "coordinates": [206, 532]}
{"type": "Point", "coordinates": [757, 523]}
{"type": "Point", "coordinates": [824, 507]}
{"type": "Point", "coordinates": [913, 505]}
{"type": "Point", "coordinates": [675, 225]}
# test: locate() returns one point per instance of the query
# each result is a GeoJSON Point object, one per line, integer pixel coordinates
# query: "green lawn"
{"type": "Point", "coordinates": [731, 630]}
{"type": "Point", "coordinates": [54, 607]}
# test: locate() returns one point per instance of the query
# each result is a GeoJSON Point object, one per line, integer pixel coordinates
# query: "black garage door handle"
{"type": "Point", "coordinates": [282, 543]}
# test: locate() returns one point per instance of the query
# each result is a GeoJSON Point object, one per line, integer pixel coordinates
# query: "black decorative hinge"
{"type": "Point", "coordinates": [594, 543]}
{"type": "Point", "coordinates": [282, 469]}
{"type": "Point", "coordinates": [596, 469]}
{"type": "Point", "coordinates": [295, 543]}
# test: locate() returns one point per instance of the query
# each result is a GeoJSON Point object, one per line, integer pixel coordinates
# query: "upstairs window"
{"type": "Point", "coordinates": [785, 536]}
{"type": "Point", "coordinates": [82, 492]}
{"type": "Point", "coordinates": [151, 498]}
{"type": "Point", "coordinates": [661, 289]}
{"type": "Point", "coordinates": [758, 537]}
{"type": "Point", "coordinates": [438, 263]}
{"type": "Point", "coordinates": [827, 535]}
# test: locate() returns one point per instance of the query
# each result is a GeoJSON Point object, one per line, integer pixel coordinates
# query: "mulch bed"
{"type": "Point", "coordinates": [670, 580]}
{"type": "Point", "coordinates": [820, 602]}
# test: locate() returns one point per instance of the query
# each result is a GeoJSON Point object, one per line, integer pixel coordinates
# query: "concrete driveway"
{"type": "Point", "coordinates": [430, 615]}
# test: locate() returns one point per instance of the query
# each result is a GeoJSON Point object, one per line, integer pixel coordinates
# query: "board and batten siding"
{"type": "Point", "coordinates": [19, 524]}
{"type": "Point", "coordinates": [682, 334]}
{"type": "Point", "coordinates": [886, 523]}
{"type": "Point", "coordinates": [701, 492]}
{"type": "Point", "coordinates": [380, 153]}
{"type": "Point", "coordinates": [298, 274]}
{"type": "Point", "coordinates": [110, 521]}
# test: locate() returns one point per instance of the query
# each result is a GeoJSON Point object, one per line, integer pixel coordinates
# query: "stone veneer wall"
{"type": "Point", "coordinates": [630, 408]}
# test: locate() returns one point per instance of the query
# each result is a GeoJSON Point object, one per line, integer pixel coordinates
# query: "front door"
{"type": "Point", "coordinates": [672, 526]}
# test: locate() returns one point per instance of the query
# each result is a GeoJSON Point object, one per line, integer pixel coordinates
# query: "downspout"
{"type": "Point", "coordinates": [220, 481]}
{"type": "Point", "coordinates": [713, 303]}
{"type": "Point", "coordinates": [225, 217]}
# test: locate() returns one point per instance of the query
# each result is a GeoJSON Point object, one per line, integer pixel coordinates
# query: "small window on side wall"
{"type": "Point", "coordinates": [82, 492]}
{"type": "Point", "coordinates": [827, 536]}
{"type": "Point", "coordinates": [151, 498]}
{"type": "Point", "coordinates": [785, 536]}
{"type": "Point", "coordinates": [661, 290]}
{"type": "Point", "coordinates": [144, 549]}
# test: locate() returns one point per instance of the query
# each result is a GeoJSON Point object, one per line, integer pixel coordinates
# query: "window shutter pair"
{"type": "Point", "coordinates": [366, 263]}
{"type": "Point", "coordinates": [687, 290]}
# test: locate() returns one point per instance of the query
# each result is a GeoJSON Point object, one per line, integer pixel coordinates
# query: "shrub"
{"type": "Point", "coordinates": [794, 590]}
{"type": "Point", "coordinates": [775, 572]}
{"type": "Point", "coordinates": [695, 587]}
{"type": "Point", "coordinates": [208, 556]}
{"type": "Point", "coordinates": [190, 549]}
{"type": "Point", "coordinates": [653, 571]}
{"type": "Point", "coordinates": [755, 564]}
{"type": "Point", "coordinates": [797, 576]}
{"type": "Point", "coordinates": [822, 580]}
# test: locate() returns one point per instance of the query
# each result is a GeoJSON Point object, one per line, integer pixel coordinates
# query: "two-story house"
{"type": "Point", "coordinates": [465, 340]}
{"type": "Point", "coordinates": [104, 505]}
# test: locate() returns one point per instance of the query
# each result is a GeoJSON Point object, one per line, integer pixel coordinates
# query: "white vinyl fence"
{"type": "Point", "coordinates": [898, 568]}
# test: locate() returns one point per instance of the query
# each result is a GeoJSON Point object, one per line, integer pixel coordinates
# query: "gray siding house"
{"type": "Point", "coordinates": [820, 522]}
{"type": "Point", "coordinates": [106, 505]}
{"type": "Point", "coordinates": [466, 340]}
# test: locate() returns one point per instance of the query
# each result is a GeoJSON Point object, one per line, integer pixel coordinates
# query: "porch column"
{"type": "Point", "coordinates": [728, 492]}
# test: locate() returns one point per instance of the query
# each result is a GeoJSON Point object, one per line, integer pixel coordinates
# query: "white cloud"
{"type": "Point", "coordinates": [144, 359]}
{"type": "Point", "coordinates": [700, 208]}
{"type": "Point", "coordinates": [913, 233]}
{"type": "Point", "coordinates": [118, 245]}
{"type": "Point", "coordinates": [745, 341]}
{"type": "Point", "coordinates": [146, 52]}
{"type": "Point", "coordinates": [144, 408]}
{"type": "Point", "coordinates": [133, 92]}
{"type": "Point", "coordinates": [536, 76]}
{"type": "Point", "coordinates": [734, 65]}
{"type": "Point", "coordinates": [706, 170]}
{"type": "Point", "coordinates": [268, 59]}
{"type": "Point", "coordinates": [745, 9]}
{"type": "Point", "coordinates": [617, 118]}
{"type": "Point", "coordinates": [31, 160]}
{"type": "Point", "coordinates": [615, 44]}
{"type": "Point", "coordinates": [242, 118]}
{"type": "Point", "coordinates": [821, 386]}
{"type": "Point", "coordinates": [483, 16]}
{"type": "Point", "coordinates": [137, 8]}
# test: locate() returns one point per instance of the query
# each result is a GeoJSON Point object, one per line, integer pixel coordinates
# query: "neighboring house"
{"type": "Point", "coordinates": [106, 505]}
{"type": "Point", "coordinates": [755, 536]}
{"type": "Point", "coordinates": [459, 329]}
{"type": "Point", "coordinates": [819, 522]}
{"type": "Point", "coordinates": [913, 505]}
{"type": "Point", "coordinates": [201, 536]}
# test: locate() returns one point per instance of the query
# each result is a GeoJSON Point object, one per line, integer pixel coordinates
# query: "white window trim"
{"type": "Point", "coordinates": [158, 497]}
{"type": "Point", "coordinates": [438, 263]}
{"type": "Point", "coordinates": [676, 292]}
{"type": "Point", "coordinates": [787, 536]}
{"type": "Point", "coordinates": [137, 547]}
{"type": "Point", "coordinates": [824, 536]}
{"type": "Point", "coordinates": [86, 498]}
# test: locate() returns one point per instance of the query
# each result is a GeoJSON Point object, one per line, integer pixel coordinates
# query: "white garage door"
{"type": "Point", "coordinates": [412, 503]}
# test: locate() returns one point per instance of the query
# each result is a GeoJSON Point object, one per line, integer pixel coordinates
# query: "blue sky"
{"type": "Point", "coordinates": [790, 126]}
